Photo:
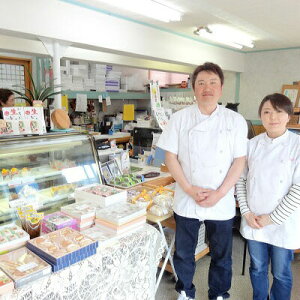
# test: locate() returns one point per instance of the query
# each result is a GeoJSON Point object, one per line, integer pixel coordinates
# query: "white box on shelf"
{"type": "Point", "coordinates": [88, 193]}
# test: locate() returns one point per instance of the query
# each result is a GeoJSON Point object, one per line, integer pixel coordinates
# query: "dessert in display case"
{"type": "Point", "coordinates": [43, 171]}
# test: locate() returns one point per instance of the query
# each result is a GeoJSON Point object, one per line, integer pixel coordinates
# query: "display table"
{"type": "Point", "coordinates": [125, 269]}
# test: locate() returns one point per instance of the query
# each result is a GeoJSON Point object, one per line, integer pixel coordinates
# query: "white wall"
{"type": "Point", "coordinates": [265, 73]}
{"type": "Point", "coordinates": [229, 88]}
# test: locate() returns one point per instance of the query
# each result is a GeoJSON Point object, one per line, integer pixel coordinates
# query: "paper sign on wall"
{"type": "Point", "coordinates": [23, 120]}
{"type": "Point", "coordinates": [81, 102]}
{"type": "Point", "coordinates": [108, 102]}
{"type": "Point", "coordinates": [128, 112]}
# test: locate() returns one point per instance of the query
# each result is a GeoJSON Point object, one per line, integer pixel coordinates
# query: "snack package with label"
{"type": "Point", "coordinates": [31, 220]}
{"type": "Point", "coordinates": [23, 266]}
{"type": "Point", "coordinates": [12, 237]}
{"type": "Point", "coordinates": [57, 221]}
{"type": "Point", "coordinates": [63, 247]}
{"type": "Point", "coordinates": [102, 194]}
{"type": "Point", "coordinates": [6, 284]}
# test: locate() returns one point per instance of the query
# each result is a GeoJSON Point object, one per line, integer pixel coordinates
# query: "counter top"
{"type": "Point", "coordinates": [116, 135]}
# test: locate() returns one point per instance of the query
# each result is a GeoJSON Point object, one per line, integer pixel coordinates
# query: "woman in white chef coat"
{"type": "Point", "coordinates": [269, 199]}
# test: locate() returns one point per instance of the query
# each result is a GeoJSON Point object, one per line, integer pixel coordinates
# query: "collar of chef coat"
{"type": "Point", "coordinates": [283, 139]}
{"type": "Point", "coordinates": [205, 125]}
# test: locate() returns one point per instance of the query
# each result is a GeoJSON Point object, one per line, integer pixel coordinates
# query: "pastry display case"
{"type": "Point", "coordinates": [44, 171]}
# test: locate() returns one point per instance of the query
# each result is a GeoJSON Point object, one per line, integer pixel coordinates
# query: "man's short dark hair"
{"type": "Point", "coordinates": [278, 101]}
{"type": "Point", "coordinates": [4, 95]}
{"type": "Point", "coordinates": [210, 68]}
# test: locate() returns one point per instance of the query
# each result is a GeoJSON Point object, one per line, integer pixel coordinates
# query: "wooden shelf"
{"type": "Point", "coordinates": [296, 109]}
{"type": "Point", "coordinates": [295, 126]}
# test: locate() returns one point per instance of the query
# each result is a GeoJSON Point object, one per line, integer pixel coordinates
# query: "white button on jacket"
{"type": "Point", "coordinates": [206, 147]}
{"type": "Point", "coordinates": [273, 167]}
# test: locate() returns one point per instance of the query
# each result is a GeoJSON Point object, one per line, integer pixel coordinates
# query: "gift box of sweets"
{"type": "Point", "coordinates": [80, 211]}
{"type": "Point", "coordinates": [23, 266]}
{"type": "Point", "coordinates": [121, 213]}
{"type": "Point", "coordinates": [57, 221]}
{"type": "Point", "coordinates": [63, 247]}
{"type": "Point", "coordinates": [12, 237]}
{"type": "Point", "coordinates": [127, 180]}
{"type": "Point", "coordinates": [6, 284]}
{"type": "Point", "coordinates": [103, 194]}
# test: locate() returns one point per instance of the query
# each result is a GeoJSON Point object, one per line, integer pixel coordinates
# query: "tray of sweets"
{"type": "Point", "coordinates": [6, 284]}
{"type": "Point", "coordinates": [64, 246]}
{"type": "Point", "coordinates": [126, 181]}
{"type": "Point", "coordinates": [23, 266]}
{"type": "Point", "coordinates": [12, 237]}
{"type": "Point", "coordinates": [102, 194]}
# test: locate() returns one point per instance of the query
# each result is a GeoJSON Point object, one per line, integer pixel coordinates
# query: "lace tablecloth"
{"type": "Point", "coordinates": [125, 270]}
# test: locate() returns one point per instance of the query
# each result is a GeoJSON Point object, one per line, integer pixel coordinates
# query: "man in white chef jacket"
{"type": "Point", "coordinates": [205, 145]}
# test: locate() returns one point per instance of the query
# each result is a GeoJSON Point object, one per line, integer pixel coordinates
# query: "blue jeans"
{"type": "Point", "coordinates": [219, 234]}
{"type": "Point", "coordinates": [261, 254]}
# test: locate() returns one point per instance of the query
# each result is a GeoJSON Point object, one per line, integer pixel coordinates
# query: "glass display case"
{"type": "Point", "coordinates": [44, 171]}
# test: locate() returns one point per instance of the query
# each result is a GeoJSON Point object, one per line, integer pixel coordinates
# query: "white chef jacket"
{"type": "Point", "coordinates": [206, 147]}
{"type": "Point", "coordinates": [274, 166]}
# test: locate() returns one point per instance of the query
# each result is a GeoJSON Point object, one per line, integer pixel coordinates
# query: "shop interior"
{"type": "Point", "coordinates": [116, 77]}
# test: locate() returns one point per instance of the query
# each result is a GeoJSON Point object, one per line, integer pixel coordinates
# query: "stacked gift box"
{"type": "Point", "coordinates": [12, 237]}
{"type": "Point", "coordinates": [98, 73]}
{"type": "Point", "coordinates": [63, 247]}
{"type": "Point", "coordinates": [57, 221]}
{"type": "Point", "coordinates": [120, 218]}
{"type": "Point", "coordinates": [112, 82]}
{"type": "Point", "coordinates": [23, 266]}
{"type": "Point", "coordinates": [83, 213]}
{"type": "Point", "coordinates": [103, 195]}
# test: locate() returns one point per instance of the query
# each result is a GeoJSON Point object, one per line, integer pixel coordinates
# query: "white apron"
{"type": "Point", "coordinates": [273, 168]}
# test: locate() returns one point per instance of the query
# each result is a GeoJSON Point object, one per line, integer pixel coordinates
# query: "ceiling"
{"type": "Point", "coordinates": [273, 24]}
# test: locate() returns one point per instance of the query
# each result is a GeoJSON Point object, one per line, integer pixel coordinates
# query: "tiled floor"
{"type": "Point", "coordinates": [241, 286]}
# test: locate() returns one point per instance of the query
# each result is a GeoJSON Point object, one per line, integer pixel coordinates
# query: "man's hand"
{"type": "Point", "coordinates": [197, 193]}
{"type": "Point", "coordinates": [264, 220]}
{"type": "Point", "coordinates": [212, 198]}
{"type": "Point", "coordinates": [252, 220]}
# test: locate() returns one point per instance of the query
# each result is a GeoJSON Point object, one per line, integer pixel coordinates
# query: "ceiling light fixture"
{"type": "Point", "coordinates": [224, 35]}
{"type": "Point", "coordinates": [149, 8]}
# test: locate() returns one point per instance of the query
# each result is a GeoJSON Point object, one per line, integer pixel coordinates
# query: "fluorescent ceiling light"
{"type": "Point", "coordinates": [150, 8]}
{"type": "Point", "coordinates": [225, 35]}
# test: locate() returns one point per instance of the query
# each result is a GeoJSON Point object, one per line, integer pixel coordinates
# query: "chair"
{"type": "Point", "coordinates": [251, 132]}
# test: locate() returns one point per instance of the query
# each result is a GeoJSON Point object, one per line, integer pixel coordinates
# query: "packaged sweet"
{"type": "Point", "coordinates": [23, 266]}
{"type": "Point", "coordinates": [63, 247]}
{"type": "Point", "coordinates": [6, 284]}
{"type": "Point", "coordinates": [102, 194]}
{"type": "Point", "coordinates": [57, 221]}
{"type": "Point", "coordinates": [12, 237]}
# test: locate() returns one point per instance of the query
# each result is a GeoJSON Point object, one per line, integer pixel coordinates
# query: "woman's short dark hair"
{"type": "Point", "coordinates": [210, 68]}
{"type": "Point", "coordinates": [4, 95]}
{"type": "Point", "coordinates": [278, 101]}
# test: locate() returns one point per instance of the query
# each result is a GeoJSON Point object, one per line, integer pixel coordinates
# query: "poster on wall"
{"type": "Point", "coordinates": [157, 109]}
{"type": "Point", "coordinates": [23, 120]}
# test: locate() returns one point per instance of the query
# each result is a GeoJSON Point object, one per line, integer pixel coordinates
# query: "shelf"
{"type": "Point", "coordinates": [112, 95]}
{"type": "Point", "coordinates": [296, 126]}
{"type": "Point", "coordinates": [121, 95]}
